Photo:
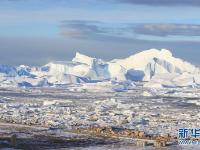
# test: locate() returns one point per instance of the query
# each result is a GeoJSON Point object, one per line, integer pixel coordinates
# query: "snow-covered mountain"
{"type": "Point", "coordinates": [159, 67]}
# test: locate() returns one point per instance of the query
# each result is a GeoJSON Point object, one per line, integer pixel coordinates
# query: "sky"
{"type": "Point", "coordinates": [34, 32]}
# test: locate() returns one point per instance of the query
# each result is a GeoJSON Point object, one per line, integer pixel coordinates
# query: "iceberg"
{"type": "Point", "coordinates": [159, 68]}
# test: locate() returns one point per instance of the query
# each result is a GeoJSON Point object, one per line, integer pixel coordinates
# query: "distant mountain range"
{"type": "Point", "coordinates": [158, 67]}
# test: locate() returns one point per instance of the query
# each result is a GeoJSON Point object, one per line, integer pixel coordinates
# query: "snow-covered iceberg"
{"type": "Point", "coordinates": [158, 67]}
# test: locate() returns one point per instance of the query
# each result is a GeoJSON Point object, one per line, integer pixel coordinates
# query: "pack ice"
{"type": "Point", "coordinates": [159, 68]}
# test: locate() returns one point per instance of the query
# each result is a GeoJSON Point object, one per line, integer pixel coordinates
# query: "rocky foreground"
{"type": "Point", "coordinates": [60, 110]}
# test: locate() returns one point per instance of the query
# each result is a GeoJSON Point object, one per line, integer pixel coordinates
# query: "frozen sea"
{"type": "Point", "coordinates": [42, 117]}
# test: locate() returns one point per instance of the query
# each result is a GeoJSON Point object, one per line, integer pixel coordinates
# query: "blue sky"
{"type": "Point", "coordinates": [34, 32]}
